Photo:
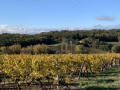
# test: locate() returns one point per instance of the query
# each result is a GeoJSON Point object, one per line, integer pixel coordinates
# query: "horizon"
{"type": "Point", "coordinates": [34, 33]}
{"type": "Point", "coordinates": [32, 17]}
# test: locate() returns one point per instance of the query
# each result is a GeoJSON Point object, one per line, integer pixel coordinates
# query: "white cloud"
{"type": "Point", "coordinates": [105, 18]}
{"type": "Point", "coordinates": [106, 27]}
{"type": "Point", "coordinates": [99, 26]}
{"type": "Point", "coordinates": [72, 28]}
{"type": "Point", "coordinates": [22, 30]}
{"type": "Point", "coordinates": [3, 26]}
{"type": "Point", "coordinates": [19, 29]}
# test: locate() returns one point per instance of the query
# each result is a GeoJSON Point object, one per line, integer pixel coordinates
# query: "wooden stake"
{"type": "Point", "coordinates": [57, 74]}
{"type": "Point", "coordinates": [103, 65]}
{"type": "Point", "coordinates": [115, 61]}
{"type": "Point", "coordinates": [81, 70]}
{"type": "Point", "coordinates": [66, 48]}
{"type": "Point", "coordinates": [90, 70]}
{"type": "Point", "coordinates": [4, 78]}
{"type": "Point", "coordinates": [119, 63]}
{"type": "Point", "coordinates": [111, 64]}
{"type": "Point", "coordinates": [87, 72]}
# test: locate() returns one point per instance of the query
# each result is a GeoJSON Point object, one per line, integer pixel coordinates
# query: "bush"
{"type": "Point", "coordinates": [80, 49]}
{"type": "Point", "coordinates": [4, 50]}
{"type": "Point", "coordinates": [105, 47]}
{"type": "Point", "coordinates": [15, 49]}
{"type": "Point", "coordinates": [27, 50]}
{"type": "Point", "coordinates": [116, 49]}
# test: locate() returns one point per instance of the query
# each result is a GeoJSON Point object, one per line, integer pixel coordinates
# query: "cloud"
{"type": "Point", "coordinates": [106, 27]}
{"type": "Point", "coordinates": [19, 29]}
{"type": "Point", "coordinates": [105, 18]}
{"type": "Point", "coordinates": [99, 26]}
{"type": "Point", "coordinates": [23, 30]}
{"type": "Point", "coordinates": [71, 28]}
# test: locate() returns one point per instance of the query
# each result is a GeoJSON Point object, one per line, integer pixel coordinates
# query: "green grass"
{"type": "Point", "coordinates": [113, 43]}
{"type": "Point", "coordinates": [93, 50]}
{"type": "Point", "coordinates": [56, 44]}
{"type": "Point", "coordinates": [108, 80]}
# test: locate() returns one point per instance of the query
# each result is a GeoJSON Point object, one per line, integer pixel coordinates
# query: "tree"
{"type": "Point", "coordinates": [4, 49]}
{"type": "Point", "coordinates": [80, 49]}
{"type": "Point", "coordinates": [64, 40]}
{"type": "Point", "coordinates": [116, 49]}
{"type": "Point", "coordinates": [95, 43]}
{"type": "Point", "coordinates": [15, 49]}
{"type": "Point", "coordinates": [27, 50]}
{"type": "Point", "coordinates": [119, 38]}
{"type": "Point", "coordinates": [38, 49]}
{"type": "Point", "coordinates": [105, 47]}
{"type": "Point", "coordinates": [88, 41]}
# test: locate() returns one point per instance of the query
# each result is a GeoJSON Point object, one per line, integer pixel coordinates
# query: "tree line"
{"type": "Point", "coordinates": [7, 39]}
{"type": "Point", "coordinates": [33, 49]}
{"type": "Point", "coordinates": [90, 38]}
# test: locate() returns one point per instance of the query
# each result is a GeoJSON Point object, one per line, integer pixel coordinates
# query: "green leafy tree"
{"type": "Point", "coordinates": [105, 47]}
{"type": "Point", "coordinates": [95, 43]}
{"type": "Point", "coordinates": [64, 40]}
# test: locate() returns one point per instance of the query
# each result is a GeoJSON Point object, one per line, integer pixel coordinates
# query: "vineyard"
{"type": "Point", "coordinates": [52, 70]}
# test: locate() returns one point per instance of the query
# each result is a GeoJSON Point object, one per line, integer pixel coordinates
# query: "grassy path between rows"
{"type": "Point", "coordinates": [108, 80]}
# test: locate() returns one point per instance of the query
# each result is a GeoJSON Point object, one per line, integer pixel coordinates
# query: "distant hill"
{"type": "Point", "coordinates": [58, 36]}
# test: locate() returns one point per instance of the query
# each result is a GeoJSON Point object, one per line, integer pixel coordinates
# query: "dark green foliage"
{"type": "Point", "coordinates": [24, 40]}
{"type": "Point", "coordinates": [116, 49]}
{"type": "Point", "coordinates": [58, 36]}
{"type": "Point", "coordinates": [105, 47]}
{"type": "Point", "coordinates": [80, 49]}
{"type": "Point", "coordinates": [89, 38]}
{"type": "Point", "coordinates": [95, 43]}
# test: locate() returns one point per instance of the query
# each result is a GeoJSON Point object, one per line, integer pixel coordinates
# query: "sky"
{"type": "Point", "coordinates": [35, 16]}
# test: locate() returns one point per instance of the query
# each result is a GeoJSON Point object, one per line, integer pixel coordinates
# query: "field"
{"type": "Point", "coordinates": [113, 43]}
{"type": "Point", "coordinates": [52, 71]}
{"type": "Point", "coordinates": [108, 80]}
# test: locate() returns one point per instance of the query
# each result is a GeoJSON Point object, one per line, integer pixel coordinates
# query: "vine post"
{"type": "Point", "coordinates": [57, 74]}
{"type": "Point", "coordinates": [103, 64]}
{"type": "Point", "coordinates": [81, 70]}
